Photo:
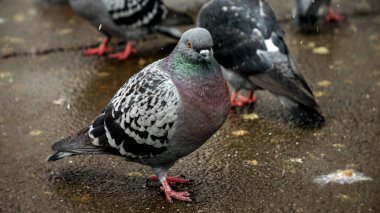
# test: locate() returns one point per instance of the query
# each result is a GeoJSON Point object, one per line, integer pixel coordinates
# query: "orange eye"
{"type": "Point", "coordinates": [189, 44]}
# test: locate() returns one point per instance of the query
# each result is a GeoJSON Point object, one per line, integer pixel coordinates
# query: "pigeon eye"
{"type": "Point", "coordinates": [189, 44]}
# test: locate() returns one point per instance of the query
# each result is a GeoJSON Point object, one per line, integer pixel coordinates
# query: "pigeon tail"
{"type": "Point", "coordinates": [169, 31]}
{"type": "Point", "coordinates": [307, 24]}
{"type": "Point", "coordinates": [79, 143]}
{"type": "Point", "coordinates": [305, 116]}
{"type": "Point", "coordinates": [59, 155]}
{"type": "Point", "coordinates": [166, 27]}
{"type": "Point", "coordinates": [175, 18]}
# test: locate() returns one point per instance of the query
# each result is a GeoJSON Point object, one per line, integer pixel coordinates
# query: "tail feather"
{"type": "Point", "coordinates": [308, 117]}
{"type": "Point", "coordinates": [174, 18]}
{"type": "Point", "coordinates": [304, 116]}
{"type": "Point", "coordinates": [58, 155]}
{"type": "Point", "coordinates": [177, 18]}
{"type": "Point", "coordinates": [169, 31]}
{"type": "Point", "coordinates": [79, 143]}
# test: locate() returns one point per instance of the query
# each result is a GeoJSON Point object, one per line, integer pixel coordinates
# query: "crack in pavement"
{"type": "Point", "coordinates": [46, 51]}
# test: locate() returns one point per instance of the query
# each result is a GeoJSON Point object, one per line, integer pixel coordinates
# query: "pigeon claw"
{"type": "Point", "coordinates": [97, 51]}
{"type": "Point", "coordinates": [332, 16]}
{"type": "Point", "coordinates": [239, 101]}
{"type": "Point", "coordinates": [182, 196]}
{"type": "Point", "coordinates": [124, 54]}
{"type": "Point", "coordinates": [248, 101]}
{"type": "Point", "coordinates": [169, 193]}
{"type": "Point", "coordinates": [101, 50]}
{"type": "Point", "coordinates": [235, 103]}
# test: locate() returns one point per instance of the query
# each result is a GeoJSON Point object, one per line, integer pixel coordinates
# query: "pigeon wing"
{"type": "Point", "coordinates": [140, 116]}
{"type": "Point", "coordinates": [137, 13]}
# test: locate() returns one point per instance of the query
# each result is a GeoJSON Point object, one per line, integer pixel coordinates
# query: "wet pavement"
{"type": "Point", "coordinates": [48, 90]}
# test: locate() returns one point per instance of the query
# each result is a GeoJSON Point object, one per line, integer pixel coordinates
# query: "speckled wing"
{"type": "Point", "coordinates": [136, 13]}
{"type": "Point", "coordinates": [140, 116]}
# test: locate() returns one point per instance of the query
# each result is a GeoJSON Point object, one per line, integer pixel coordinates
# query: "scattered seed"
{"type": "Point", "coordinates": [239, 133]}
{"type": "Point", "coordinates": [321, 50]}
{"type": "Point", "coordinates": [296, 160]}
{"type": "Point", "coordinates": [250, 116]}
{"type": "Point", "coordinates": [324, 83]}
{"type": "Point", "coordinates": [135, 174]}
{"type": "Point", "coordinates": [18, 18]}
{"type": "Point", "coordinates": [103, 74]}
{"type": "Point", "coordinates": [319, 94]}
{"type": "Point", "coordinates": [64, 31]}
{"type": "Point", "coordinates": [5, 74]}
{"type": "Point", "coordinates": [342, 177]}
{"type": "Point", "coordinates": [36, 132]}
{"type": "Point", "coordinates": [59, 101]}
{"type": "Point", "coordinates": [251, 162]}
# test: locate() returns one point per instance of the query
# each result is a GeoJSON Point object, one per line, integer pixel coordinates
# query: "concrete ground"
{"type": "Point", "coordinates": [48, 90]}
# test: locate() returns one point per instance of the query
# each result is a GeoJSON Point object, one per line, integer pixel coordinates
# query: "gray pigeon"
{"type": "Point", "coordinates": [308, 13]}
{"type": "Point", "coordinates": [161, 114]}
{"type": "Point", "coordinates": [249, 44]}
{"type": "Point", "coordinates": [128, 20]}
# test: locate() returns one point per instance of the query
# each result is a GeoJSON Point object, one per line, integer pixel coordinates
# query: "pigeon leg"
{"type": "Point", "coordinates": [234, 101]}
{"type": "Point", "coordinates": [169, 193]}
{"type": "Point", "coordinates": [252, 96]}
{"type": "Point", "coordinates": [332, 16]}
{"type": "Point", "coordinates": [124, 54]}
{"type": "Point", "coordinates": [99, 50]}
{"type": "Point", "coordinates": [250, 100]}
{"type": "Point", "coordinates": [171, 179]}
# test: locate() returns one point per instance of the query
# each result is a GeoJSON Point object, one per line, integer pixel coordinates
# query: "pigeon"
{"type": "Point", "coordinates": [163, 113]}
{"type": "Point", "coordinates": [307, 13]}
{"type": "Point", "coordinates": [128, 20]}
{"type": "Point", "coordinates": [250, 47]}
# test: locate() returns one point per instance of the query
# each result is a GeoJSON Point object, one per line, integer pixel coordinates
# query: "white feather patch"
{"type": "Point", "coordinates": [271, 46]}
{"type": "Point", "coordinates": [111, 141]}
{"type": "Point", "coordinates": [95, 142]}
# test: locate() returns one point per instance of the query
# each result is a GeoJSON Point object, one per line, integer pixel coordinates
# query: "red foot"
{"type": "Point", "coordinates": [171, 179]}
{"type": "Point", "coordinates": [332, 16]}
{"type": "Point", "coordinates": [99, 50]}
{"type": "Point", "coordinates": [250, 100]}
{"type": "Point", "coordinates": [124, 54]}
{"type": "Point", "coordinates": [234, 102]}
{"type": "Point", "coordinates": [169, 193]}
{"type": "Point", "coordinates": [239, 101]}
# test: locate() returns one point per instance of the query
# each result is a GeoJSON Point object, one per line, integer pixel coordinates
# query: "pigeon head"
{"type": "Point", "coordinates": [196, 45]}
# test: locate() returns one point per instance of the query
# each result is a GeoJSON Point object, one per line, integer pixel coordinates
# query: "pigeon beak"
{"type": "Point", "coordinates": [206, 55]}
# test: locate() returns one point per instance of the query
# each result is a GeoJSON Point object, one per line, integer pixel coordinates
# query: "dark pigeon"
{"type": "Point", "coordinates": [250, 46]}
{"type": "Point", "coordinates": [308, 13]}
